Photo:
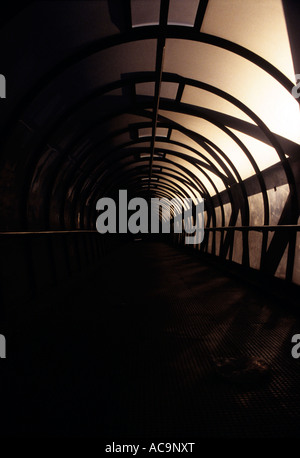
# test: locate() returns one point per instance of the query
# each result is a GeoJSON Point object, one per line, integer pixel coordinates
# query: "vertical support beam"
{"type": "Point", "coordinates": [163, 21]}
{"type": "Point", "coordinates": [200, 14]}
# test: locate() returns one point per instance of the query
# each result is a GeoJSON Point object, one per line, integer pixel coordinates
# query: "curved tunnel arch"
{"type": "Point", "coordinates": [72, 161]}
{"type": "Point", "coordinates": [144, 329]}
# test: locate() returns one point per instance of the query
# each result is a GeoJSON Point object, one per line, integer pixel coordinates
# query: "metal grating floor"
{"type": "Point", "coordinates": [130, 353]}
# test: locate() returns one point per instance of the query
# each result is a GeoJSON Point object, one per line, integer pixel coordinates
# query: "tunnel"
{"type": "Point", "coordinates": [137, 336]}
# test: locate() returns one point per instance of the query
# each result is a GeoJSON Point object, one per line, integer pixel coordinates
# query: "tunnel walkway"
{"type": "Point", "coordinates": [130, 351]}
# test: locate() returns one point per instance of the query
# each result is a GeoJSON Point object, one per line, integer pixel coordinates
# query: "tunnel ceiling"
{"type": "Point", "coordinates": [162, 98]}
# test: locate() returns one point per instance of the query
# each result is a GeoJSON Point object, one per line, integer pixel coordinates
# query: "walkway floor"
{"type": "Point", "coordinates": [132, 351]}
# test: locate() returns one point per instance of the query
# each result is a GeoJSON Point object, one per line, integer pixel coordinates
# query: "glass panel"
{"type": "Point", "coordinates": [180, 186]}
{"type": "Point", "coordinates": [182, 138]}
{"type": "Point", "coordinates": [218, 216]}
{"type": "Point", "coordinates": [239, 219]}
{"type": "Point", "coordinates": [228, 250]}
{"type": "Point", "coordinates": [145, 12]}
{"type": "Point", "coordinates": [263, 154]}
{"type": "Point", "coordinates": [179, 149]}
{"type": "Point", "coordinates": [218, 241]}
{"type": "Point", "coordinates": [237, 253]}
{"type": "Point", "coordinates": [183, 12]}
{"type": "Point", "coordinates": [216, 180]}
{"type": "Point", "coordinates": [225, 162]}
{"type": "Point", "coordinates": [281, 270]}
{"type": "Point", "coordinates": [218, 137]}
{"type": "Point", "coordinates": [173, 167]}
{"type": "Point", "coordinates": [277, 200]}
{"type": "Point", "coordinates": [145, 132]}
{"type": "Point", "coordinates": [168, 90]}
{"type": "Point", "coordinates": [227, 212]}
{"type": "Point", "coordinates": [244, 80]}
{"type": "Point", "coordinates": [250, 24]}
{"type": "Point", "coordinates": [200, 97]}
{"type": "Point", "coordinates": [296, 272]}
{"type": "Point", "coordinates": [197, 172]}
{"type": "Point", "coordinates": [161, 132]}
{"type": "Point", "coordinates": [145, 88]}
{"type": "Point", "coordinates": [255, 245]}
{"type": "Point", "coordinates": [256, 209]}
{"type": "Point", "coordinates": [210, 239]}
{"type": "Point", "coordinates": [178, 136]}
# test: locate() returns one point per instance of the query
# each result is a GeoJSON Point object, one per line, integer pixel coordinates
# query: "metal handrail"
{"type": "Point", "coordinates": [294, 227]}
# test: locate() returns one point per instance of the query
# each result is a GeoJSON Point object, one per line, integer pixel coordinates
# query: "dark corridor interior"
{"type": "Point", "coordinates": [127, 334]}
{"type": "Point", "coordinates": [119, 356]}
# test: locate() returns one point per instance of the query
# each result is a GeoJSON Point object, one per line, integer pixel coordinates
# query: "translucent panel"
{"type": "Point", "coordinates": [218, 241]}
{"type": "Point", "coordinates": [281, 269]}
{"type": "Point", "coordinates": [227, 213]}
{"type": "Point", "coordinates": [181, 187]}
{"type": "Point", "coordinates": [120, 122]}
{"type": "Point", "coordinates": [145, 132]}
{"type": "Point", "coordinates": [256, 209]}
{"type": "Point", "coordinates": [255, 246]}
{"type": "Point", "coordinates": [179, 137]}
{"type": "Point", "coordinates": [218, 216]}
{"type": "Point", "coordinates": [183, 12]}
{"type": "Point", "coordinates": [296, 271]}
{"type": "Point", "coordinates": [237, 253]}
{"type": "Point", "coordinates": [161, 132]}
{"type": "Point", "coordinates": [168, 90]}
{"type": "Point", "coordinates": [110, 64]}
{"type": "Point", "coordinates": [263, 154]}
{"type": "Point", "coordinates": [178, 149]}
{"type": "Point", "coordinates": [182, 138]}
{"type": "Point", "coordinates": [228, 250]}
{"type": "Point", "coordinates": [239, 219]}
{"type": "Point", "coordinates": [145, 88]}
{"type": "Point", "coordinates": [239, 77]}
{"type": "Point", "coordinates": [170, 166]}
{"type": "Point", "coordinates": [196, 172]}
{"type": "Point", "coordinates": [210, 239]}
{"type": "Point", "coordinates": [218, 137]}
{"type": "Point", "coordinates": [224, 161]}
{"type": "Point", "coordinates": [216, 180]}
{"type": "Point", "coordinates": [189, 167]}
{"type": "Point", "coordinates": [145, 12]}
{"type": "Point", "coordinates": [165, 170]}
{"type": "Point", "coordinates": [277, 200]}
{"type": "Point", "coordinates": [200, 97]}
{"type": "Point", "coordinates": [250, 24]}
{"type": "Point", "coordinates": [158, 154]}
{"type": "Point", "coordinates": [148, 154]}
